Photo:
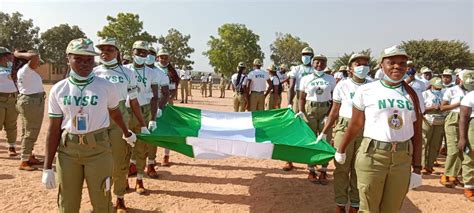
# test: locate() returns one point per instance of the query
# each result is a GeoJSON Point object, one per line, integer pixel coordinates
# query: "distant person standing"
{"type": "Point", "coordinates": [30, 105]}
{"type": "Point", "coordinates": [203, 85]}
{"type": "Point", "coordinates": [239, 86]}
{"type": "Point", "coordinates": [274, 89]}
{"type": "Point", "coordinates": [8, 98]}
{"type": "Point", "coordinates": [416, 84]}
{"type": "Point", "coordinates": [296, 74]}
{"type": "Point", "coordinates": [222, 85]}
{"type": "Point", "coordinates": [342, 74]}
{"type": "Point", "coordinates": [185, 79]}
{"type": "Point", "coordinates": [426, 75]}
{"type": "Point", "coordinates": [257, 82]}
{"type": "Point", "coordinates": [209, 83]}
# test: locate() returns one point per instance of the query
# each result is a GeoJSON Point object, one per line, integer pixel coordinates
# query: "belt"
{"type": "Point", "coordinates": [89, 139]}
{"type": "Point", "coordinates": [35, 95]}
{"type": "Point", "coordinates": [8, 95]}
{"type": "Point", "coordinates": [391, 146]}
{"type": "Point", "coordinates": [258, 92]}
{"type": "Point", "coordinates": [318, 104]}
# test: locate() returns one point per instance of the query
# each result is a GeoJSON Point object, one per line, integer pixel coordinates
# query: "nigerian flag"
{"type": "Point", "coordinates": [273, 134]}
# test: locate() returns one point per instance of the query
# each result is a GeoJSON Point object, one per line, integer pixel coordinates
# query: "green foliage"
{"type": "Point", "coordinates": [344, 60]}
{"type": "Point", "coordinates": [235, 43]}
{"type": "Point", "coordinates": [176, 44]}
{"type": "Point", "coordinates": [437, 54]}
{"type": "Point", "coordinates": [126, 28]}
{"type": "Point", "coordinates": [286, 49]}
{"type": "Point", "coordinates": [55, 40]}
{"type": "Point", "coordinates": [18, 33]}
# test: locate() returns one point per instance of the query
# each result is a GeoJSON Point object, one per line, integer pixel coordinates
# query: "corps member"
{"type": "Point", "coordinates": [209, 84]}
{"type": "Point", "coordinates": [239, 86]}
{"type": "Point", "coordinates": [185, 79]}
{"type": "Point", "coordinates": [466, 135]}
{"type": "Point", "coordinates": [295, 76]}
{"type": "Point", "coordinates": [274, 89]}
{"type": "Point", "coordinates": [257, 81]}
{"type": "Point", "coordinates": [203, 85]}
{"type": "Point", "coordinates": [222, 85]}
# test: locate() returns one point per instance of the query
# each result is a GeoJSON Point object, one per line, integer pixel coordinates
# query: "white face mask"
{"type": "Point", "coordinates": [109, 63]}
{"type": "Point", "coordinates": [361, 71]}
{"type": "Point", "coordinates": [386, 78]}
{"type": "Point", "coordinates": [319, 73]}
{"type": "Point", "coordinates": [306, 59]}
{"type": "Point", "coordinates": [139, 60]}
{"type": "Point", "coordinates": [150, 59]}
{"type": "Point", "coordinates": [162, 65]}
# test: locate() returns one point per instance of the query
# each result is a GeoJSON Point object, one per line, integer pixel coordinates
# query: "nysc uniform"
{"type": "Point", "coordinates": [30, 105]}
{"type": "Point", "coordinates": [383, 160]}
{"type": "Point", "coordinates": [275, 82]}
{"type": "Point", "coordinates": [345, 178]}
{"type": "Point", "coordinates": [451, 127]}
{"type": "Point", "coordinates": [258, 83]}
{"type": "Point", "coordinates": [239, 96]}
{"type": "Point", "coordinates": [163, 81]}
{"type": "Point", "coordinates": [8, 112]}
{"type": "Point", "coordinates": [85, 150]}
{"type": "Point", "coordinates": [125, 85]}
{"type": "Point", "coordinates": [204, 86]}
{"type": "Point", "coordinates": [468, 161]}
{"type": "Point", "coordinates": [433, 128]}
{"type": "Point", "coordinates": [209, 83]}
{"type": "Point", "coordinates": [185, 78]}
{"type": "Point", "coordinates": [297, 73]}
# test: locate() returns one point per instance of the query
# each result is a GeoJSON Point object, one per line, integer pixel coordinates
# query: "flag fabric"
{"type": "Point", "coordinates": [274, 134]}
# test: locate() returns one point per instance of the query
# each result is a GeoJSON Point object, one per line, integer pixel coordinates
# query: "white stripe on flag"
{"type": "Point", "coordinates": [227, 125]}
{"type": "Point", "coordinates": [208, 148]}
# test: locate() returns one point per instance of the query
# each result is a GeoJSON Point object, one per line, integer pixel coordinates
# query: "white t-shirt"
{"type": "Point", "coordinates": [209, 79]}
{"type": "Point", "coordinates": [164, 70]}
{"type": "Point", "coordinates": [343, 94]}
{"type": "Point", "coordinates": [432, 98]}
{"type": "Point", "coordinates": [339, 75]}
{"type": "Point", "coordinates": [298, 73]}
{"type": "Point", "coordinates": [97, 97]}
{"type": "Point", "coordinates": [6, 83]}
{"type": "Point", "coordinates": [468, 101]}
{"type": "Point", "coordinates": [163, 80]}
{"type": "Point", "coordinates": [418, 85]}
{"type": "Point", "coordinates": [29, 81]}
{"type": "Point", "coordinates": [185, 74]}
{"type": "Point", "coordinates": [275, 80]}
{"type": "Point", "coordinates": [282, 76]}
{"type": "Point", "coordinates": [389, 112]}
{"type": "Point", "coordinates": [243, 80]}
{"type": "Point", "coordinates": [123, 79]}
{"type": "Point", "coordinates": [379, 74]}
{"type": "Point", "coordinates": [454, 95]}
{"type": "Point", "coordinates": [258, 80]}
{"type": "Point", "coordinates": [203, 79]}
{"type": "Point", "coordinates": [318, 89]}
{"type": "Point", "coordinates": [145, 78]}
{"type": "Point", "coordinates": [426, 82]}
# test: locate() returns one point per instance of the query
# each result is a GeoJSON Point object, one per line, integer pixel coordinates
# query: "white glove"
{"type": "Point", "coordinates": [321, 137]}
{"type": "Point", "coordinates": [152, 125]}
{"type": "Point", "coordinates": [48, 179]}
{"type": "Point", "coordinates": [131, 140]}
{"type": "Point", "coordinates": [340, 157]}
{"type": "Point", "coordinates": [415, 181]}
{"type": "Point", "coordinates": [144, 130]}
{"type": "Point", "coordinates": [300, 114]}
{"type": "Point", "coordinates": [290, 106]}
{"type": "Point", "coordinates": [158, 113]}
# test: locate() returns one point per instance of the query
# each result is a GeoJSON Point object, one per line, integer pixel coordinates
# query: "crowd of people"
{"type": "Point", "coordinates": [388, 128]}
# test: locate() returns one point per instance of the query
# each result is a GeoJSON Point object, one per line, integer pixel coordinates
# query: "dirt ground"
{"type": "Point", "coordinates": [229, 185]}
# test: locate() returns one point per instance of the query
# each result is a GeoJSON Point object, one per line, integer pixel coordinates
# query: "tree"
{"type": "Point", "coordinates": [126, 28]}
{"type": "Point", "coordinates": [437, 54]}
{"type": "Point", "coordinates": [235, 43]}
{"type": "Point", "coordinates": [18, 33]}
{"type": "Point", "coordinates": [55, 40]}
{"type": "Point", "coordinates": [176, 44]}
{"type": "Point", "coordinates": [286, 49]}
{"type": "Point", "coordinates": [344, 60]}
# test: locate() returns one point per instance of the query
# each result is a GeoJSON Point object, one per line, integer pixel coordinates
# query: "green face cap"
{"type": "Point", "coordinates": [425, 70]}
{"type": "Point", "coordinates": [162, 52]}
{"type": "Point", "coordinates": [448, 72]}
{"type": "Point", "coordinates": [257, 62]}
{"type": "Point", "coordinates": [283, 66]}
{"type": "Point", "coordinates": [107, 41]}
{"type": "Point", "coordinates": [81, 46]}
{"type": "Point", "coordinates": [151, 49]}
{"type": "Point", "coordinates": [271, 68]}
{"type": "Point", "coordinates": [436, 82]}
{"type": "Point", "coordinates": [320, 57]}
{"type": "Point", "coordinates": [4, 50]}
{"type": "Point", "coordinates": [241, 64]}
{"type": "Point", "coordinates": [143, 45]}
{"type": "Point", "coordinates": [307, 50]}
{"type": "Point", "coordinates": [468, 79]}
{"type": "Point", "coordinates": [356, 56]}
{"type": "Point", "coordinates": [392, 51]}
{"type": "Point", "coordinates": [343, 68]}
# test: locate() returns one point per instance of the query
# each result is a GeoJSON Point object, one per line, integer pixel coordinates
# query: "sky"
{"type": "Point", "coordinates": [331, 28]}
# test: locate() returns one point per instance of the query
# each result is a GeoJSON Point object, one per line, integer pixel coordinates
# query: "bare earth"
{"type": "Point", "coordinates": [229, 185]}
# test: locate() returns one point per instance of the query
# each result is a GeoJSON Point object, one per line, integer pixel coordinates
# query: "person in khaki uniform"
{"type": "Point", "coordinates": [30, 104]}
{"type": "Point", "coordinates": [345, 178]}
{"type": "Point", "coordinates": [203, 85]}
{"type": "Point", "coordinates": [8, 98]}
{"type": "Point", "coordinates": [257, 81]}
{"type": "Point", "coordinates": [222, 85]}
{"type": "Point", "coordinates": [209, 84]}
{"type": "Point", "coordinates": [125, 83]}
{"type": "Point", "coordinates": [185, 84]}
{"type": "Point", "coordinates": [315, 101]}
{"type": "Point", "coordinates": [451, 101]}
{"type": "Point", "coordinates": [80, 108]}
{"type": "Point", "coordinates": [466, 135]}
{"type": "Point", "coordinates": [274, 89]}
{"type": "Point", "coordinates": [433, 128]}
{"type": "Point", "coordinates": [392, 136]}
{"type": "Point", "coordinates": [239, 86]}
{"type": "Point", "coordinates": [295, 76]}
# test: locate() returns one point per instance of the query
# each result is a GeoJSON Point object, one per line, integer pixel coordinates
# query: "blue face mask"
{"type": "Point", "coordinates": [8, 68]}
{"type": "Point", "coordinates": [386, 78]}
{"type": "Point", "coordinates": [139, 60]}
{"type": "Point", "coordinates": [436, 92]}
{"type": "Point", "coordinates": [150, 59]}
{"type": "Point", "coordinates": [306, 59]}
{"type": "Point", "coordinates": [319, 73]}
{"type": "Point", "coordinates": [361, 71]}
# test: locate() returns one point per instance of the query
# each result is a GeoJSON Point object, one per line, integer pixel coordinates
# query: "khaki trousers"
{"type": "Point", "coordinates": [432, 138]}
{"type": "Point", "coordinates": [142, 150]}
{"type": "Point", "coordinates": [452, 166]}
{"type": "Point", "coordinates": [239, 102]}
{"type": "Point", "coordinates": [31, 111]}
{"type": "Point", "coordinates": [271, 99]}
{"type": "Point", "coordinates": [468, 161]}
{"type": "Point", "coordinates": [257, 101]}
{"type": "Point", "coordinates": [8, 117]}
{"type": "Point", "coordinates": [184, 90]}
